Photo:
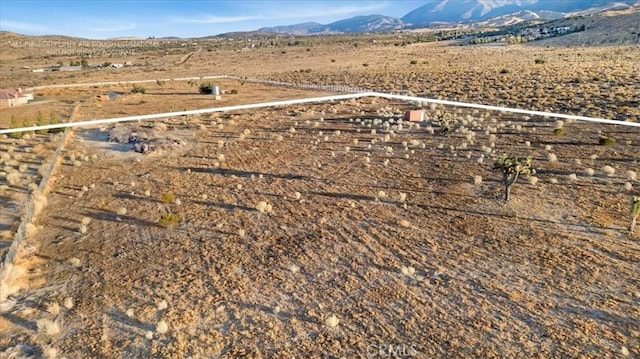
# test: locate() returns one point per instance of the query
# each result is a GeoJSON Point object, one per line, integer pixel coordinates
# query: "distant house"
{"type": "Point", "coordinates": [14, 97]}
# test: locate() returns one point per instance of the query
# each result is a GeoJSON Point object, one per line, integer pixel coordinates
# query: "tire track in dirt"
{"type": "Point", "coordinates": [186, 57]}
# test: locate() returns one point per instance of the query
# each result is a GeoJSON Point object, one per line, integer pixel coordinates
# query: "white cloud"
{"type": "Point", "coordinates": [19, 26]}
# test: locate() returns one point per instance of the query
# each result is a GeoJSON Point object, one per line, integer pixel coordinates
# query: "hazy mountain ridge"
{"type": "Point", "coordinates": [357, 24]}
{"type": "Point", "coordinates": [486, 12]}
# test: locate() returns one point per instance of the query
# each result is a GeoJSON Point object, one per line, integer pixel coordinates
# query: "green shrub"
{"type": "Point", "coordinates": [41, 122]}
{"type": "Point", "coordinates": [558, 131]}
{"type": "Point", "coordinates": [15, 124]}
{"type": "Point", "coordinates": [53, 120]}
{"type": "Point", "coordinates": [168, 197]}
{"type": "Point", "coordinates": [138, 89]}
{"type": "Point", "coordinates": [606, 141]}
{"type": "Point", "coordinates": [169, 220]}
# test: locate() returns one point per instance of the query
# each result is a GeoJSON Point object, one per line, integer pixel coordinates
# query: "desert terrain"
{"type": "Point", "coordinates": [330, 230]}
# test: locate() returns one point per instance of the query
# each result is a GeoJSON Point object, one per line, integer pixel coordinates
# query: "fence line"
{"type": "Point", "coordinates": [29, 213]}
{"type": "Point", "coordinates": [315, 100]}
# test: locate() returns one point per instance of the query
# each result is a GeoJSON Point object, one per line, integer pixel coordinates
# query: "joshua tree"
{"type": "Point", "coordinates": [512, 167]}
{"type": "Point", "coordinates": [635, 212]}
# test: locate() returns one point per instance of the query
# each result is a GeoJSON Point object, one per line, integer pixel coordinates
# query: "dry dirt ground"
{"type": "Point", "coordinates": [451, 271]}
{"type": "Point", "coordinates": [341, 266]}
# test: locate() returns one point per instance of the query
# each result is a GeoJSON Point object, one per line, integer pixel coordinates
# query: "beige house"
{"type": "Point", "coordinates": [14, 97]}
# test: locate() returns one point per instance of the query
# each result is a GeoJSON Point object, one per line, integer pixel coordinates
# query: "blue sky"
{"type": "Point", "coordinates": [100, 19]}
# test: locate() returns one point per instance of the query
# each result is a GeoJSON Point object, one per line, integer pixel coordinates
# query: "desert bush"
{"type": "Point", "coordinates": [635, 212]}
{"type": "Point", "coordinates": [40, 121]}
{"type": "Point", "coordinates": [168, 197]}
{"type": "Point", "coordinates": [558, 131]}
{"type": "Point", "coordinates": [48, 326]}
{"type": "Point", "coordinates": [512, 168]}
{"type": "Point", "coordinates": [606, 141]}
{"type": "Point", "coordinates": [169, 220]}
{"type": "Point", "coordinates": [138, 89]}
{"type": "Point", "coordinates": [539, 61]}
{"type": "Point", "coordinates": [608, 170]}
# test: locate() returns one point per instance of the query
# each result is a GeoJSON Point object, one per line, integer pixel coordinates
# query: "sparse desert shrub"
{"type": "Point", "coordinates": [477, 180]}
{"type": "Point", "coordinates": [628, 186]}
{"type": "Point", "coordinates": [121, 211]}
{"type": "Point", "coordinates": [608, 170]}
{"type": "Point", "coordinates": [635, 212]}
{"type": "Point", "coordinates": [331, 321]}
{"type": "Point", "coordinates": [552, 157]}
{"type": "Point", "coordinates": [512, 167]}
{"type": "Point", "coordinates": [558, 131]}
{"type": "Point", "coordinates": [138, 89]}
{"type": "Point", "coordinates": [14, 178]}
{"type": "Point", "coordinates": [504, 71]}
{"type": "Point", "coordinates": [408, 271]}
{"type": "Point", "coordinates": [632, 175]}
{"type": "Point", "coordinates": [606, 141]}
{"type": "Point", "coordinates": [168, 197]}
{"type": "Point", "coordinates": [264, 207]}
{"type": "Point", "coordinates": [53, 308]}
{"type": "Point", "coordinates": [169, 220]}
{"type": "Point", "coordinates": [48, 326]}
{"type": "Point", "coordinates": [539, 61]}
{"type": "Point", "coordinates": [590, 172]}
{"type": "Point", "coordinates": [413, 62]}
{"type": "Point", "coordinates": [162, 327]}
{"type": "Point", "coordinates": [68, 302]}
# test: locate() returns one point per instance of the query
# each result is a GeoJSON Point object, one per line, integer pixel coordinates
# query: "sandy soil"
{"type": "Point", "coordinates": [451, 271]}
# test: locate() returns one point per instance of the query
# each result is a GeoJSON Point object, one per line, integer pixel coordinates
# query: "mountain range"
{"type": "Point", "coordinates": [455, 11]}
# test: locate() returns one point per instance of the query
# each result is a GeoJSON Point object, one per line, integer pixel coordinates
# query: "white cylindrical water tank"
{"type": "Point", "coordinates": [216, 90]}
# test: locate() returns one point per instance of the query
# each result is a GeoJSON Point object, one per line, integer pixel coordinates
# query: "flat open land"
{"type": "Point", "coordinates": [336, 230]}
